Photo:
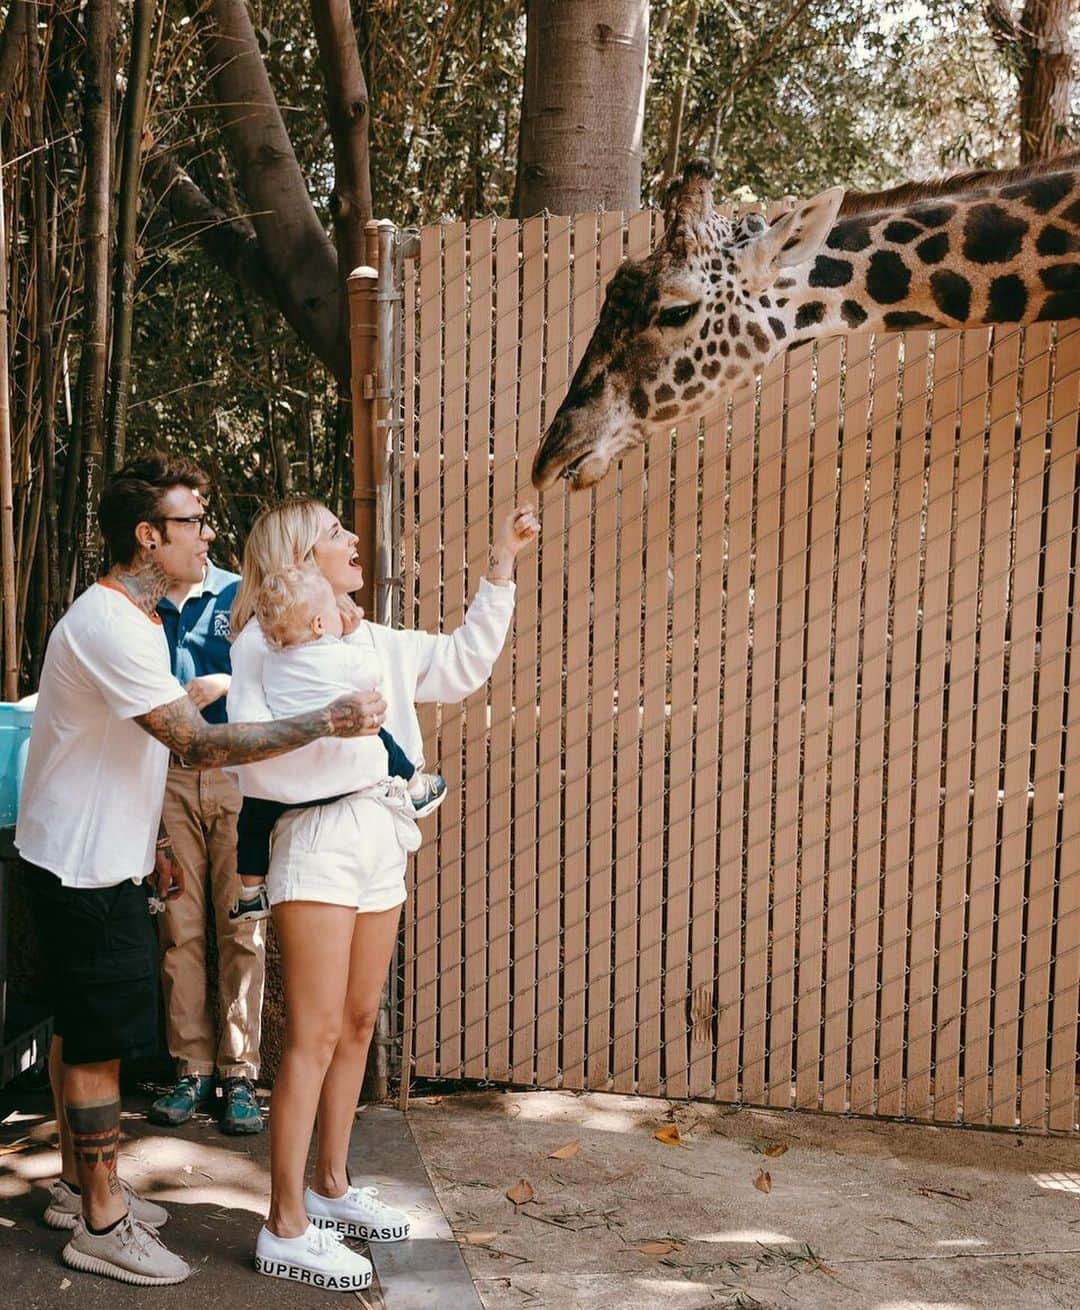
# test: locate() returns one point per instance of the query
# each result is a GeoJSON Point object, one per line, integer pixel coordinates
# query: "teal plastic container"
{"type": "Point", "coordinates": [15, 721]}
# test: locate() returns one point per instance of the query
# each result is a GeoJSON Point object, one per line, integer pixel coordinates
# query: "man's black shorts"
{"type": "Point", "coordinates": [101, 956]}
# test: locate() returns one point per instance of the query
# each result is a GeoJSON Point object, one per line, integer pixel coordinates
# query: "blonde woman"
{"type": "Point", "coordinates": [336, 924]}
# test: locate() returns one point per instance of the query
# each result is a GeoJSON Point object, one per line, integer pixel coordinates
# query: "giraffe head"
{"type": "Point", "coordinates": [700, 315]}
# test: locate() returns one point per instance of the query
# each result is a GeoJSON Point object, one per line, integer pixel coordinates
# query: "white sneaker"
{"type": "Point", "coordinates": [316, 1257]}
{"type": "Point", "coordinates": [359, 1213]}
{"type": "Point", "coordinates": [131, 1252]}
{"type": "Point", "coordinates": [65, 1207]}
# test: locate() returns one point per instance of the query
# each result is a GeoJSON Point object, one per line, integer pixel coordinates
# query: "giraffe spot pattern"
{"type": "Point", "coordinates": [1072, 214]}
{"type": "Point", "coordinates": [668, 412]}
{"type": "Point", "coordinates": [1059, 305]}
{"type": "Point", "coordinates": [711, 347]}
{"type": "Point", "coordinates": [779, 331]}
{"type": "Point", "coordinates": [934, 249]}
{"type": "Point", "coordinates": [1054, 240]}
{"type": "Point", "coordinates": [810, 313]}
{"type": "Point", "coordinates": [684, 369]}
{"type": "Point", "coordinates": [992, 235]}
{"type": "Point", "coordinates": [732, 371]}
{"type": "Point", "coordinates": [733, 325]}
{"type": "Point", "coordinates": [693, 391]}
{"type": "Point", "coordinates": [828, 272]}
{"type": "Point", "coordinates": [725, 346]}
{"type": "Point", "coordinates": [664, 393]}
{"type": "Point", "coordinates": [899, 320]}
{"type": "Point", "coordinates": [849, 234]}
{"type": "Point", "coordinates": [952, 294]}
{"type": "Point", "coordinates": [758, 337]}
{"type": "Point", "coordinates": [931, 215]}
{"type": "Point", "coordinates": [888, 277]}
{"type": "Point", "coordinates": [901, 232]}
{"type": "Point", "coordinates": [711, 368]}
{"type": "Point", "coordinates": [1062, 277]}
{"type": "Point", "coordinates": [742, 350]}
{"type": "Point", "coordinates": [639, 402]}
{"type": "Point", "coordinates": [1007, 299]}
{"type": "Point", "coordinates": [853, 313]}
{"type": "Point", "coordinates": [1041, 193]}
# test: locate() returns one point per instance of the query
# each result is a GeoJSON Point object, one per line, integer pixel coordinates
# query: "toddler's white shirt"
{"type": "Point", "coordinates": [311, 675]}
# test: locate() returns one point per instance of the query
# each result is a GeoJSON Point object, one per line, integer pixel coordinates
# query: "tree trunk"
{"type": "Point", "coordinates": [347, 118]}
{"type": "Point", "coordinates": [97, 137]}
{"type": "Point", "coordinates": [44, 329]}
{"type": "Point", "coordinates": [10, 683]}
{"type": "Point", "coordinates": [291, 238]}
{"type": "Point", "coordinates": [583, 106]}
{"type": "Point", "coordinates": [678, 109]}
{"type": "Point", "coordinates": [126, 262]}
{"type": "Point", "coordinates": [17, 27]}
{"type": "Point", "coordinates": [1046, 81]}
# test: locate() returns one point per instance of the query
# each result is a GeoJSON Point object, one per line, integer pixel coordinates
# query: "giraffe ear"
{"type": "Point", "coordinates": [798, 236]}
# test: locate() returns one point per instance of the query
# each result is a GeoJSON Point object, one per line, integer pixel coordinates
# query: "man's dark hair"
{"type": "Point", "coordinates": [133, 495]}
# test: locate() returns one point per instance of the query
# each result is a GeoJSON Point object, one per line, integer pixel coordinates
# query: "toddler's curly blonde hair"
{"type": "Point", "coordinates": [286, 603]}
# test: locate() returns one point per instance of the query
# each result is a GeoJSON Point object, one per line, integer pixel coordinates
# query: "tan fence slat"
{"type": "Point", "coordinates": [959, 759]}
{"type": "Point", "coordinates": [1062, 1115]}
{"type": "Point", "coordinates": [678, 903]}
{"type": "Point", "coordinates": [451, 737]}
{"type": "Point", "coordinates": [654, 783]}
{"type": "Point", "coordinates": [899, 788]}
{"type": "Point", "coordinates": [737, 655]}
{"type": "Point", "coordinates": [579, 608]}
{"type": "Point", "coordinates": [760, 793]}
{"type": "Point", "coordinates": [1053, 654]}
{"type": "Point", "coordinates": [797, 440]}
{"type": "Point", "coordinates": [847, 609]}
{"type": "Point", "coordinates": [873, 725]}
{"type": "Point", "coordinates": [601, 773]}
{"type": "Point", "coordinates": [404, 562]}
{"type": "Point", "coordinates": [526, 725]}
{"type": "Point", "coordinates": [428, 616]}
{"type": "Point", "coordinates": [1014, 868]}
{"type": "Point", "coordinates": [702, 1012]}
{"type": "Point", "coordinates": [996, 556]}
{"type": "Point", "coordinates": [477, 771]}
{"type": "Point", "coordinates": [504, 458]}
{"type": "Point", "coordinates": [551, 784]}
{"type": "Point", "coordinates": [818, 731]}
{"type": "Point", "coordinates": [930, 738]}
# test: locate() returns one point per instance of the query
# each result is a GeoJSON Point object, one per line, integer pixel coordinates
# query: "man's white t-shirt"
{"type": "Point", "coordinates": [95, 780]}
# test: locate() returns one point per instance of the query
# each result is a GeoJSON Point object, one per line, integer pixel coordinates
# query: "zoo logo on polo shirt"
{"type": "Point", "coordinates": [221, 624]}
{"type": "Point", "coordinates": [281, 1269]}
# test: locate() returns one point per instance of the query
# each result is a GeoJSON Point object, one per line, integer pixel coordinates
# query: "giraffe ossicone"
{"type": "Point", "coordinates": [717, 298]}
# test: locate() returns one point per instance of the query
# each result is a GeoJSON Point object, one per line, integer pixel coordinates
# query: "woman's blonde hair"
{"type": "Point", "coordinates": [281, 537]}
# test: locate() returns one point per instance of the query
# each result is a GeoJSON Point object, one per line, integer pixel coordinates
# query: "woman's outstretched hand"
{"type": "Point", "coordinates": [519, 529]}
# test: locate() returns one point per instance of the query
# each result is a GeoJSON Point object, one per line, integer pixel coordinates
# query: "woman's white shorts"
{"type": "Point", "coordinates": [350, 852]}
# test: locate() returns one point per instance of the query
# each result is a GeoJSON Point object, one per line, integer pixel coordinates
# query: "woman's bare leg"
{"type": "Point", "coordinates": [316, 941]}
{"type": "Point", "coordinates": [372, 947]}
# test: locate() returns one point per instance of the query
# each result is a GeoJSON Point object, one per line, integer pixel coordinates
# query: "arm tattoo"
{"type": "Point", "coordinates": [95, 1133]}
{"type": "Point", "coordinates": [214, 745]}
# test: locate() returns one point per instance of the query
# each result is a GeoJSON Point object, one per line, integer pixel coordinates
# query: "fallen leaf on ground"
{"type": "Point", "coordinates": [65, 1284]}
{"type": "Point", "coordinates": [669, 1135]}
{"type": "Point", "coordinates": [775, 1149]}
{"type": "Point", "coordinates": [659, 1248]}
{"type": "Point", "coordinates": [13, 1148]}
{"type": "Point", "coordinates": [479, 1239]}
{"type": "Point", "coordinates": [566, 1152]}
{"type": "Point", "coordinates": [7, 1223]}
{"type": "Point", "coordinates": [189, 1169]}
{"type": "Point", "coordinates": [521, 1192]}
{"type": "Point", "coordinates": [763, 1182]}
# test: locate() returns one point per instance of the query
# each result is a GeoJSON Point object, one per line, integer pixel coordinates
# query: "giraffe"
{"type": "Point", "coordinates": [717, 299]}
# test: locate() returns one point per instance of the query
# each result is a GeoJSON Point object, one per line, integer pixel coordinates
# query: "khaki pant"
{"type": "Point", "coordinates": [200, 813]}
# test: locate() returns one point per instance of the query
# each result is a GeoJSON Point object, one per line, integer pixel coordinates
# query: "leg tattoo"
{"type": "Point", "coordinates": [95, 1135]}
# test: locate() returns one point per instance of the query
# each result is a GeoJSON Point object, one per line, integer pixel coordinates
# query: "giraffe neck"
{"type": "Point", "coordinates": [997, 254]}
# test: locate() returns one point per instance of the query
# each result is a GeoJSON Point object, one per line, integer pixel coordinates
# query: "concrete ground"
{"type": "Point", "coordinates": [738, 1208]}
{"type": "Point", "coordinates": [755, 1208]}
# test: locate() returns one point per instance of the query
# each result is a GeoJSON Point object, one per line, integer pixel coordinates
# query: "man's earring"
{"type": "Point", "coordinates": [153, 545]}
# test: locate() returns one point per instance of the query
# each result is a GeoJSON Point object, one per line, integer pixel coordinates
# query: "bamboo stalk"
{"type": "Point", "coordinates": [7, 504]}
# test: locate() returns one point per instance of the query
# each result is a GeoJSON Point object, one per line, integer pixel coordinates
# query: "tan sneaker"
{"type": "Point", "coordinates": [130, 1252]}
{"type": "Point", "coordinates": [65, 1206]}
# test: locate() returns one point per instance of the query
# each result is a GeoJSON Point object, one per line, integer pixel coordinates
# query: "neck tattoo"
{"type": "Point", "coordinates": [144, 581]}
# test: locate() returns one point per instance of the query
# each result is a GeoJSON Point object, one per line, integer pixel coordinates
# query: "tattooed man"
{"type": "Point", "coordinates": [109, 713]}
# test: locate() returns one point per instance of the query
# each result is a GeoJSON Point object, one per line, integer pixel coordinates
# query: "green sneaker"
{"type": "Point", "coordinates": [191, 1093]}
{"type": "Point", "coordinates": [241, 1113]}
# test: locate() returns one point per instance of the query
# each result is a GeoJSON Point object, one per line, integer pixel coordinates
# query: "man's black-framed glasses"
{"type": "Point", "coordinates": [203, 521]}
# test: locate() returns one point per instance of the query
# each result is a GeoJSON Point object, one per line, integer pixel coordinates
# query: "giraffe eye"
{"type": "Point", "coordinates": [677, 315]}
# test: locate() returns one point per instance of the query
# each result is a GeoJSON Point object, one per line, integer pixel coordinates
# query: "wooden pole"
{"type": "Point", "coordinates": [381, 234]}
{"type": "Point", "coordinates": [363, 283]}
{"type": "Point", "coordinates": [7, 501]}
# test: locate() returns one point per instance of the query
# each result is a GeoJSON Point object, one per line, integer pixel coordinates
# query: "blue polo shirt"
{"type": "Point", "coordinates": [198, 632]}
